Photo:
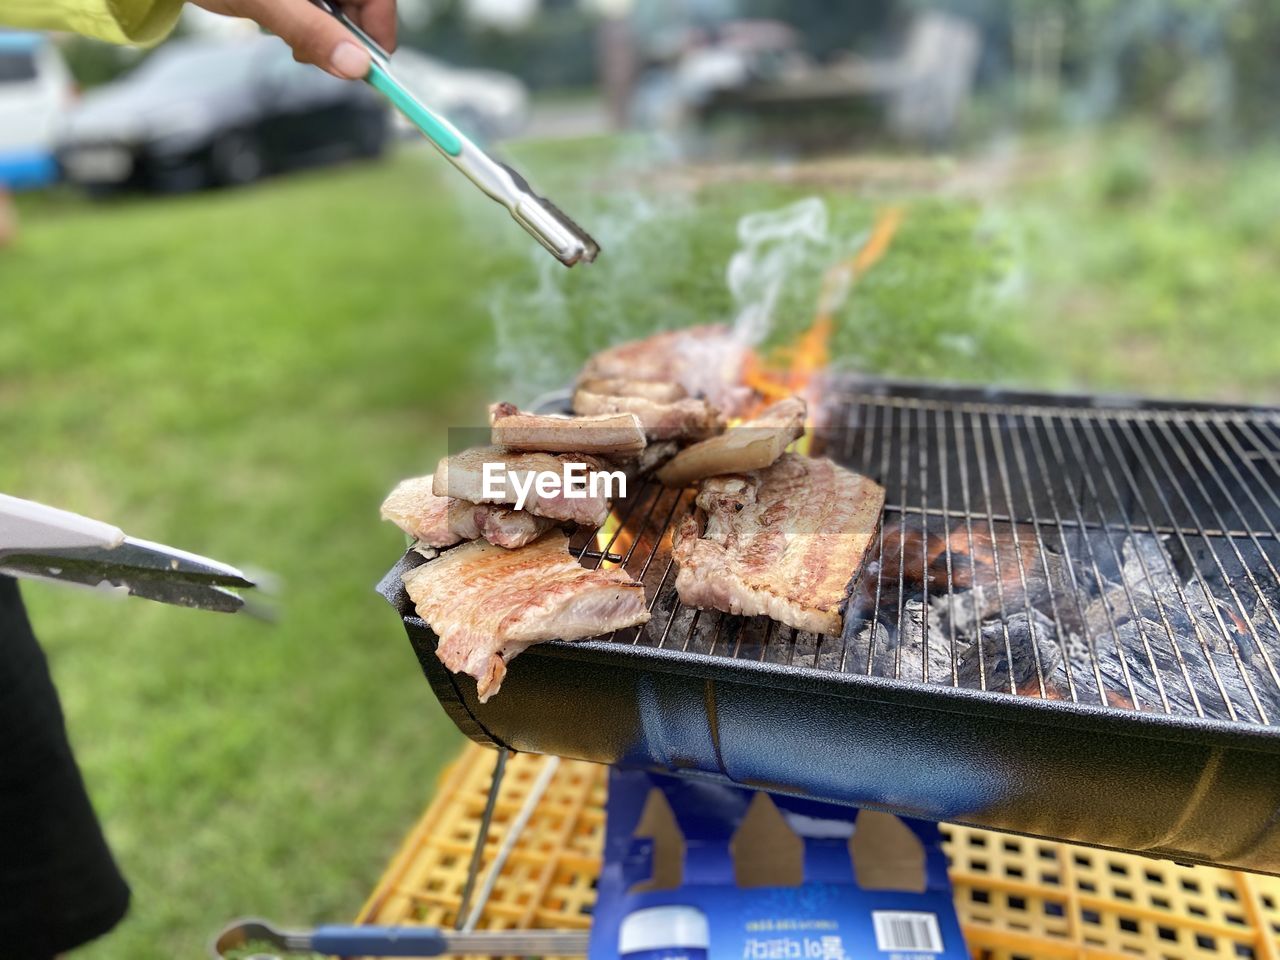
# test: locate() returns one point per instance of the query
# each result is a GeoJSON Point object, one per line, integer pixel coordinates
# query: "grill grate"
{"type": "Point", "coordinates": [1123, 556]}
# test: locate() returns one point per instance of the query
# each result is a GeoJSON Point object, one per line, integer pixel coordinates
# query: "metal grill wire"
{"type": "Point", "coordinates": [1123, 557]}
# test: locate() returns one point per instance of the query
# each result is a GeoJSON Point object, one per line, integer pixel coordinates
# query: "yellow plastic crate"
{"type": "Point", "coordinates": [1018, 898]}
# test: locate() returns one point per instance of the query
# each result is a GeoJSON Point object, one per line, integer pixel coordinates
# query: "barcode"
{"type": "Point", "coordinates": [907, 931]}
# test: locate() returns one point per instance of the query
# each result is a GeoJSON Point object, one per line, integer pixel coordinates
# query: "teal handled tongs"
{"type": "Point", "coordinates": [567, 242]}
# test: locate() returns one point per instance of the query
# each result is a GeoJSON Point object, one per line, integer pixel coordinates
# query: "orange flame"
{"type": "Point", "coordinates": [613, 539]}
{"type": "Point", "coordinates": [793, 368]}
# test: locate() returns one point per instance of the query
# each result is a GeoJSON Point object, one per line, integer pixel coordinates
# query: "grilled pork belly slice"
{"type": "Point", "coordinates": [439, 522]}
{"type": "Point", "coordinates": [617, 434]}
{"type": "Point", "coordinates": [654, 390]}
{"type": "Point", "coordinates": [785, 542]}
{"type": "Point", "coordinates": [487, 605]}
{"type": "Point", "coordinates": [676, 417]}
{"type": "Point", "coordinates": [462, 476]}
{"type": "Point", "coordinates": [499, 525]}
{"type": "Point", "coordinates": [655, 455]}
{"type": "Point", "coordinates": [414, 508]}
{"type": "Point", "coordinates": [706, 361]}
{"type": "Point", "coordinates": [641, 466]}
{"type": "Point", "coordinates": [752, 445]}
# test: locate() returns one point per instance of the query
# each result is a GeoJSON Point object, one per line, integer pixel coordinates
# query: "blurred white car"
{"type": "Point", "coordinates": [216, 113]}
{"type": "Point", "coordinates": [36, 89]}
{"type": "Point", "coordinates": [485, 104]}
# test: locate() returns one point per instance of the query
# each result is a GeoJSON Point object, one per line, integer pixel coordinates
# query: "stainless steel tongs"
{"type": "Point", "coordinates": [567, 242]}
{"type": "Point", "coordinates": [45, 543]}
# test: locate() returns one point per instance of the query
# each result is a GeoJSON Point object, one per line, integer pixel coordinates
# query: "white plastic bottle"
{"type": "Point", "coordinates": [664, 933]}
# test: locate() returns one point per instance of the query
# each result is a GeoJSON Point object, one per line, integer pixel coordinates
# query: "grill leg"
{"type": "Point", "coordinates": [477, 853]}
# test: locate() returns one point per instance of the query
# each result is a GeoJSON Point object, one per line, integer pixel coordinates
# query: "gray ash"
{"type": "Point", "coordinates": [1134, 621]}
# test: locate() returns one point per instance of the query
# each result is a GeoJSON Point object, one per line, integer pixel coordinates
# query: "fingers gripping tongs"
{"type": "Point", "coordinates": [567, 242]}
{"type": "Point", "coordinates": [44, 543]}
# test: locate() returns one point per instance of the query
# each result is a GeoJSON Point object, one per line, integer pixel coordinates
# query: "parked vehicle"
{"type": "Point", "coordinates": [35, 91]}
{"type": "Point", "coordinates": [217, 113]}
{"type": "Point", "coordinates": [485, 104]}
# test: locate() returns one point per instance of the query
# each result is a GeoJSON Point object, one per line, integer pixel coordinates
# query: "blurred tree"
{"type": "Point", "coordinates": [1208, 66]}
{"type": "Point", "coordinates": [554, 50]}
{"type": "Point", "coordinates": [442, 27]}
{"type": "Point", "coordinates": [1253, 37]}
{"type": "Point", "coordinates": [93, 62]}
{"type": "Point", "coordinates": [830, 28]}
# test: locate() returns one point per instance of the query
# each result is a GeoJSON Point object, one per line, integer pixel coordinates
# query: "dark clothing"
{"type": "Point", "coordinates": [59, 886]}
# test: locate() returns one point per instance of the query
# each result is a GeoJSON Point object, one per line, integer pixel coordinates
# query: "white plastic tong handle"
{"type": "Point", "coordinates": [27, 525]}
{"type": "Point", "coordinates": [44, 543]}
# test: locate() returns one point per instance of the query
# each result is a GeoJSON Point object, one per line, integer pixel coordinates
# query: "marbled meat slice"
{"type": "Point", "coordinates": [706, 361]}
{"type": "Point", "coordinates": [751, 445]}
{"type": "Point", "coordinates": [785, 542]}
{"type": "Point", "coordinates": [654, 456]}
{"type": "Point", "coordinates": [655, 390]}
{"type": "Point", "coordinates": [501, 526]}
{"type": "Point", "coordinates": [617, 434]}
{"type": "Point", "coordinates": [487, 605]}
{"type": "Point", "coordinates": [418, 511]}
{"type": "Point", "coordinates": [665, 410]}
{"type": "Point", "coordinates": [461, 475]}
{"type": "Point", "coordinates": [438, 522]}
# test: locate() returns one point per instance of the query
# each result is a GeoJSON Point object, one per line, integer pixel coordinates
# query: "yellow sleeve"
{"type": "Point", "coordinates": [117, 21]}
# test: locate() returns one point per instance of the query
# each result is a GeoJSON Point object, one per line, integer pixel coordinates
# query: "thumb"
{"type": "Point", "coordinates": [315, 36]}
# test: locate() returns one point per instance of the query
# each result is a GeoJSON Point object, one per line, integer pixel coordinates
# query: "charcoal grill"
{"type": "Point", "coordinates": [1067, 628]}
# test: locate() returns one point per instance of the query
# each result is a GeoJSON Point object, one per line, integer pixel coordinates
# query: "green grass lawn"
{"type": "Point", "coordinates": [245, 374]}
{"type": "Point", "coordinates": [1156, 269]}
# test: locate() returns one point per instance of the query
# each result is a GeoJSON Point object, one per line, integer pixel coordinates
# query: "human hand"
{"type": "Point", "coordinates": [314, 35]}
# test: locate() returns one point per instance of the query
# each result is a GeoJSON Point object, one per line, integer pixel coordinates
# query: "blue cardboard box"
{"type": "Point", "coordinates": [703, 871]}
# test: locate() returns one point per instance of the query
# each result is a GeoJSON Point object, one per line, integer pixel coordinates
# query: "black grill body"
{"type": "Point", "coordinates": [1067, 630]}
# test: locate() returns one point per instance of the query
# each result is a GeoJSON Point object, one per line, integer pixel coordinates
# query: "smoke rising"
{"type": "Point", "coordinates": [773, 245]}
{"type": "Point", "coordinates": [673, 259]}
{"type": "Point", "coordinates": [548, 319]}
